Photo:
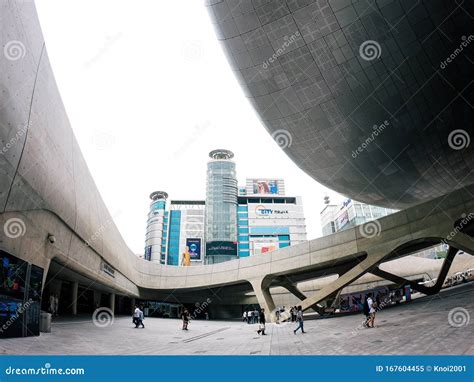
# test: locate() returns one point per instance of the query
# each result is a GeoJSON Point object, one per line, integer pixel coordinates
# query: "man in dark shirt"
{"type": "Point", "coordinates": [261, 328]}
{"type": "Point", "coordinates": [185, 318]}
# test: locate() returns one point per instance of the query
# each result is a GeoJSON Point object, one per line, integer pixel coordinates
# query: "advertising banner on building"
{"type": "Point", "coordinates": [342, 220]}
{"type": "Point", "coordinates": [194, 246]}
{"type": "Point", "coordinates": [221, 248]}
{"type": "Point", "coordinates": [148, 253]}
{"type": "Point", "coordinates": [265, 186]}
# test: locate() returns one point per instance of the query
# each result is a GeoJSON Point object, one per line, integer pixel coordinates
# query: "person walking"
{"type": "Point", "coordinates": [299, 319]}
{"type": "Point", "coordinates": [255, 316]}
{"type": "Point", "coordinates": [185, 318]}
{"type": "Point", "coordinates": [261, 327]}
{"type": "Point", "coordinates": [365, 310]}
{"type": "Point", "coordinates": [141, 317]}
{"type": "Point", "coordinates": [293, 314]}
{"type": "Point", "coordinates": [244, 317]}
{"type": "Point", "coordinates": [371, 306]}
{"type": "Point", "coordinates": [136, 316]}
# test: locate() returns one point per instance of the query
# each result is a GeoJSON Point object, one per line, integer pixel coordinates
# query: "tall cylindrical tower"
{"type": "Point", "coordinates": [221, 208]}
{"type": "Point", "coordinates": [155, 225]}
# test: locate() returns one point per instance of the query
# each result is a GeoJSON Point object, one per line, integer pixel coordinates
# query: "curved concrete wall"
{"type": "Point", "coordinates": [45, 182]}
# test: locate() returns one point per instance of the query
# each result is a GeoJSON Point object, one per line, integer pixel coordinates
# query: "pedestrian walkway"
{"type": "Point", "coordinates": [440, 324]}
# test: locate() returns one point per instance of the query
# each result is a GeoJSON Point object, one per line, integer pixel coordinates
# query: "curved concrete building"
{"type": "Point", "coordinates": [53, 217]}
{"type": "Point", "coordinates": [372, 98]}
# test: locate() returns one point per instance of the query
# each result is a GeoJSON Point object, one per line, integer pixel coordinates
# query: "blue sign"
{"type": "Point", "coordinates": [194, 246]}
{"type": "Point", "coordinates": [148, 253]}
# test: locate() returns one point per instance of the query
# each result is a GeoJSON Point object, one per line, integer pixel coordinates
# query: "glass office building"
{"type": "Point", "coordinates": [173, 226]}
{"type": "Point", "coordinates": [267, 218]}
{"type": "Point", "coordinates": [155, 239]}
{"type": "Point", "coordinates": [221, 208]}
{"type": "Point", "coordinates": [348, 214]}
{"type": "Point", "coordinates": [232, 222]}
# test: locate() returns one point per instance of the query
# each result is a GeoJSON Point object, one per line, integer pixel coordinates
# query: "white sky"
{"type": "Point", "coordinates": [149, 93]}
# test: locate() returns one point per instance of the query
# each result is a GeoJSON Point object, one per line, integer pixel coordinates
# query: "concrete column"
{"type": "Point", "coordinates": [112, 302]}
{"type": "Point", "coordinates": [293, 289]}
{"type": "Point", "coordinates": [74, 290]}
{"type": "Point", "coordinates": [265, 299]}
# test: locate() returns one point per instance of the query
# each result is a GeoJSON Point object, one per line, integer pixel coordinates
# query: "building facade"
{"type": "Point", "coordinates": [267, 219]}
{"type": "Point", "coordinates": [155, 237]}
{"type": "Point", "coordinates": [173, 226]}
{"type": "Point", "coordinates": [232, 222]}
{"type": "Point", "coordinates": [348, 214]}
{"type": "Point", "coordinates": [221, 208]}
{"type": "Point", "coordinates": [186, 229]}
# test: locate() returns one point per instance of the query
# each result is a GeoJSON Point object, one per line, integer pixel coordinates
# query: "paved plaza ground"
{"type": "Point", "coordinates": [439, 324]}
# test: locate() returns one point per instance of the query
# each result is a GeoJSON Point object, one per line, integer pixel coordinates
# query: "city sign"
{"type": "Point", "coordinates": [262, 210]}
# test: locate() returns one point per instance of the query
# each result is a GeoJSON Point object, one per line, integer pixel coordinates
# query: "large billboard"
{"type": "Point", "coordinates": [221, 248]}
{"type": "Point", "coordinates": [265, 186]}
{"type": "Point", "coordinates": [194, 246]}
